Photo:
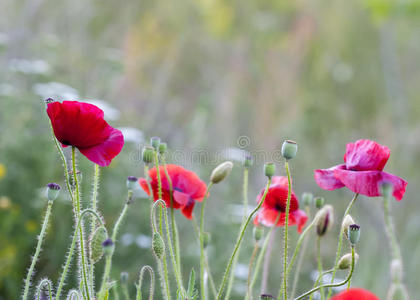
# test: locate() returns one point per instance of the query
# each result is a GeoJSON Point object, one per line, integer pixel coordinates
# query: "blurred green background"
{"type": "Point", "coordinates": [212, 78]}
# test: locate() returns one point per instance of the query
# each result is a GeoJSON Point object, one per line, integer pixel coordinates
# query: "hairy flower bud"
{"type": "Point", "coordinates": [132, 182]}
{"type": "Point", "coordinates": [307, 199]}
{"type": "Point", "coordinates": [162, 148]}
{"type": "Point", "coordinates": [269, 169]}
{"type": "Point", "coordinates": [96, 241]}
{"type": "Point", "coordinates": [53, 190]}
{"type": "Point", "coordinates": [108, 247]}
{"type": "Point", "coordinates": [345, 261]}
{"type": "Point", "coordinates": [319, 202]}
{"type": "Point", "coordinates": [158, 245]}
{"type": "Point", "coordinates": [258, 233]}
{"type": "Point", "coordinates": [324, 219]}
{"type": "Point", "coordinates": [147, 154]}
{"type": "Point", "coordinates": [354, 234]}
{"type": "Point", "coordinates": [248, 161]}
{"type": "Point", "coordinates": [348, 220]}
{"type": "Point", "coordinates": [221, 171]}
{"type": "Point", "coordinates": [155, 142]}
{"type": "Point", "coordinates": [289, 149]}
{"type": "Point", "coordinates": [206, 239]}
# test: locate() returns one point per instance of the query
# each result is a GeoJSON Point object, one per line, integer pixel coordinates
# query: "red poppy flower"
{"type": "Point", "coordinates": [82, 125]}
{"type": "Point", "coordinates": [187, 188]}
{"type": "Point", "coordinates": [355, 294]}
{"type": "Point", "coordinates": [275, 204]}
{"type": "Point", "coordinates": [362, 171]}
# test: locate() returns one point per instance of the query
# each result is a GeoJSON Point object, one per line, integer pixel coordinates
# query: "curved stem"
{"type": "Point", "coordinates": [340, 242]}
{"type": "Point", "coordinates": [238, 243]}
{"type": "Point", "coordinates": [331, 285]}
{"type": "Point", "coordinates": [152, 282]}
{"type": "Point", "coordinates": [37, 250]}
{"type": "Point", "coordinates": [286, 231]}
{"type": "Point", "coordinates": [92, 222]}
{"type": "Point", "coordinates": [202, 258]}
{"type": "Point", "coordinates": [81, 239]}
{"type": "Point", "coordinates": [245, 192]}
{"type": "Point", "coordinates": [42, 283]}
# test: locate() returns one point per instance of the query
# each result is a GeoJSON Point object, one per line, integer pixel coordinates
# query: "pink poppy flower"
{"type": "Point", "coordinates": [361, 172]}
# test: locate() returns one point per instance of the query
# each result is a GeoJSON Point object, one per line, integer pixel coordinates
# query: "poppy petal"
{"type": "Point", "coordinates": [366, 155]}
{"type": "Point", "coordinates": [187, 209]}
{"type": "Point", "coordinates": [299, 218]}
{"type": "Point", "coordinates": [181, 198]}
{"type": "Point", "coordinates": [355, 294]}
{"type": "Point", "coordinates": [326, 179]}
{"type": "Point", "coordinates": [368, 182]}
{"type": "Point", "coordinates": [102, 154]}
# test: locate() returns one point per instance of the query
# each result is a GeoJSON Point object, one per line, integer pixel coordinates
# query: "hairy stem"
{"type": "Point", "coordinates": [202, 257]}
{"type": "Point", "coordinates": [152, 282]}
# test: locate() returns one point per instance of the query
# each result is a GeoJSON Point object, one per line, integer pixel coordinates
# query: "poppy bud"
{"type": "Point", "coordinates": [221, 171]}
{"type": "Point", "coordinates": [147, 155]}
{"type": "Point", "coordinates": [348, 220]}
{"type": "Point", "coordinates": [269, 169]}
{"type": "Point", "coordinates": [155, 142]}
{"type": "Point", "coordinates": [206, 239]}
{"type": "Point", "coordinates": [396, 270]}
{"type": "Point", "coordinates": [248, 161]}
{"type": "Point", "coordinates": [162, 148]}
{"type": "Point", "coordinates": [158, 245]}
{"type": "Point", "coordinates": [289, 149]}
{"type": "Point", "coordinates": [354, 234]}
{"type": "Point", "coordinates": [386, 189]}
{"type": "Point", "coordinates": [319, 202]}
{"type": "Point", "coordinates": [96, 244]}
{"type": "Point", "coordinates": [131, 182]}
{"type": "Point", "coordinates": [307, 199]}
{"type": "Point", "coordinates": [258, 233]}
{"type": "Point", "coordinates": [324, 219]}
{"type": "Point", "coordinates": [266, 297]}
{"type": "Point", "coordinates": [124, 277]}
{"type": "Point", "coordinates": [53, 189]}
{"type": "Point", "coordinates": [345, 261]}
{"type": "Point", "coordinates": [108, 247]}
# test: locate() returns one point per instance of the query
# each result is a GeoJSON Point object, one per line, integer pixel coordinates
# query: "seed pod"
{"type": "Point", "coordinates": [132, 182]}
{"type": "Point", "coordinates": [266, 297]}
{"type": "Point", "coordinates": [221, 171]}
{"type": "Point", "coordinates": [108, 247]}
{"type": "Point", "coordinates": [289, 149]}
{"type": "Point", "coordinates": [162, 148]}
{"type": "Point", "coordinates": [307, 199]}
{"type": "Point", "coordinates": [354, 234]}
{"type": "Point", "coordinates": [269, 169]}
{"type": "Point", "coordinates": [158, 245]}
{"type": "Point", "coordinates": [147, 155]}
{"type": "Point", "coordinates": [155, 142]}
{"type": "Point", "coordinates": [258, 233]}
{"type": "Point", "coordinates": [53, 189]}
{"type": "Point", "coordinates": [248, 161]}
{"type": "Point", "coordinates": [319, 202]}
{"type": "Point", "coordinates": [95, 243]}
{"type": "Point", "coordinates": [345, 261]}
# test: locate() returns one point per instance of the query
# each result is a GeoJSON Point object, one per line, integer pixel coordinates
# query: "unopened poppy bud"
{"type": "Point", "coordinates": [345, 261]}
{"type": "Point", "coordinates": [147, 154]}
{"type": "Point", "coordinates": [266, 297]}
{"type": "Point", "coordinates": [162, 148]}
{"type": "Point", "coordinates": [221, 171]}
{"type": "Point", "coordinates": [289, 149]}
{"type": "Point", "coordinates": [319, 202]}
{"type": "Point", "coordinates": [132, 182]}
{"type": "Point", "coordinates": [158, 245]}
{"type": "Point", "coordinates": [396, 270]}
{"type": "Point", "coordinates": [258, 233]}
{"type": "Point", "coordinates": [96, 244]}
{"type": "Point", "coordinates": [124, 277]}
{"type": "Point", "coordinates": [155, 142]}
{"type": "Point", "coordinates": [53, 189]}
{"type": "Point", "coordinates": [348, 220]}
{"type": "Point", "coordinates": [248, 161]}
{"type": "Point", "coordinates": [324, 219]}
{"type": "Point", "coordinates": [269, 169]}
{"type": "Point", "coordinates": [307, 199]}
{"type": "Point", "coordinates": [386, 189]}
{"type": "Point", "coordinates": [354, 234]}
{"type": "Point", "coordinates": [108, 246]}
{"type": "Point", "coordinates": [206, 239]}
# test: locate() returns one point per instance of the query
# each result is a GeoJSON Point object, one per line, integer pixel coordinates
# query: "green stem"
{"type": "Point", "coordinates": [286, 231]}
{"type": "Point", "coordinates": [319, 260]}
{"type": "Point", "coordinates": [340, 243]}
{"type": "Point", "coordinates": [245, 192]}
{"type": "Point", "coordinates": [238, 242]}
{"type": "Point", "coordinates": [108, 261]}
{"type": "Point", "coordinates": [81, 239]}
{"type": "Point", "coordinates": [44, 282]}
{"type": "Point", "coordinates": [318, 279]}
{"type": "Point", "coordinates": [92, 222]}
{"type": "Point", "coordinates": [331, 285]}
{"type": "Point", "coordinates": [301, 256]}
{"type": "Point", "coordinates": [125, 292]}
{"type": "Point", "coordinates": [37, 250]}
{"type": "Point", "coordinates": [146, 175]}
{"type": "Point", "coordinates": [251, 262]}
{"type": "Point", "coordinates": [152, 282]}
{"type": "Point", "coordinates": [72, 246]}
{"type": "Point", "coordinates": [202, 257]}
